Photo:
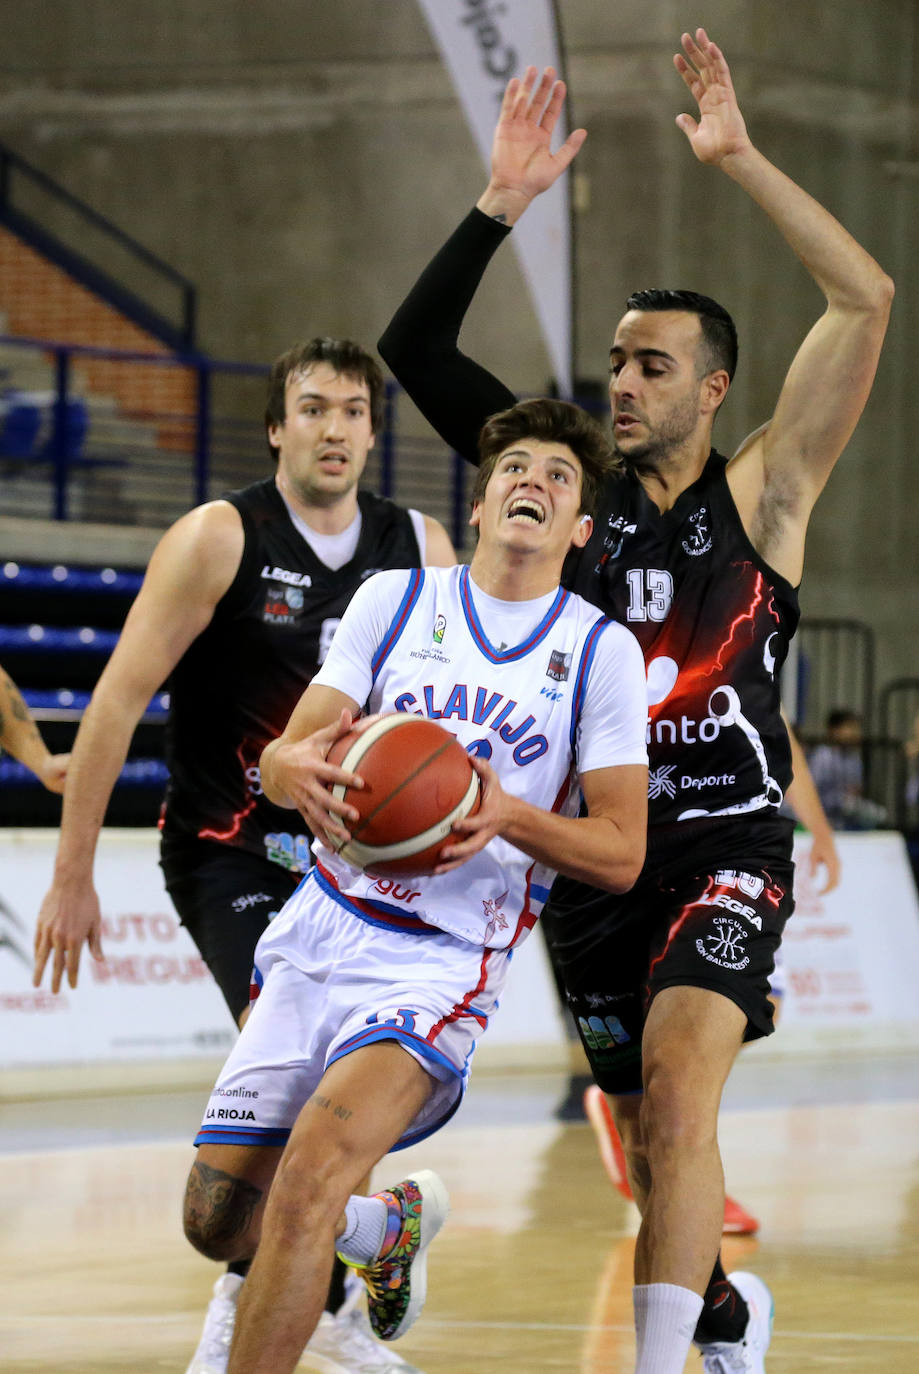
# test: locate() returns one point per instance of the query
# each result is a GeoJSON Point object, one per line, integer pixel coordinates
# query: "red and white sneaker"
{"type": "Point", "coordinates": [737, 1220]}
{"type": "Point", "coordinates": [597, 1111]}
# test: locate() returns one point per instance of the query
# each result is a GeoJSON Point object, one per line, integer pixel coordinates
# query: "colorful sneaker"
{"type": "Point", "coordinates": [737, 1220]}
{"type": "Point", "coordinates": [397, 1279]}
{"type": "Point", "coordinates": [597, 1111]}
{"type": "Point", "coordinates": [746, 1356]}
{"type": "Point", "coordinates": [343, 1344]}
{"type": "Point", "coordinates": [213, 1353]}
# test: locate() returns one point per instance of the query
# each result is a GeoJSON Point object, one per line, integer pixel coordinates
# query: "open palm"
{"type": "Point", "coordinates": [522, 160]}
{"type": "Point", "coordinates": [720, 129]}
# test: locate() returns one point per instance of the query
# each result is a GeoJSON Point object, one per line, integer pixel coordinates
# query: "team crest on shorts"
{"type": "Point", "coordinates": [559, 665]}
{"type": "Point", "coordinates": [724, 945]}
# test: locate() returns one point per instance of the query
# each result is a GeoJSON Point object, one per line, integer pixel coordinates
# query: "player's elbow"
{"type": "Point", "coordinates": [624, 863]}
{"type": "Point", "coordinates": [876, 296]}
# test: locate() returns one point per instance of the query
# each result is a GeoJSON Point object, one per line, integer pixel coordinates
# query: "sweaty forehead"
{"type": "Point", "coordinates": [676, 332]}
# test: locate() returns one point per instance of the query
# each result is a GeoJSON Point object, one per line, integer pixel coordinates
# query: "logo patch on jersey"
{"type": "Point", "coordinates": [293, 579]}
{"type": "Point", "coordinates": [724, 944]}
{"type": "Point", "coordinates": [559, 664]}
{"type": "Point", "coordinates": [660, 783]}
{"type": "Point", "coordinates": [700, 540]}
{"type": "Point", "coordinates": [440, 625]}
{"type": "Point", "coordinates": [282, 605]}
{"type": "Point", "coordinates": [617, 528]}
{"type": "Point", "coordinates": [369, 572]}
{"type": "Point", "coordinates": [491, 906]}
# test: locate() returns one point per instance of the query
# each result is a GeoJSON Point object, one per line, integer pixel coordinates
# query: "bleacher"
{"type": "Point", "coordinates": [58, 626]}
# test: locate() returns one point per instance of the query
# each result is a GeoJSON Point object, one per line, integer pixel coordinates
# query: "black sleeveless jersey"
{"type": "Point", "coordinates": [713, 620]}
{"type": "Point", "coordinates": [236, 685]}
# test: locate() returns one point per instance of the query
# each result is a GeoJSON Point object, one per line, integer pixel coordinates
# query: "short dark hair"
{"type": "Point", "coordinates": [344, 355]}
{"type": "Point", "coordinates": [554, 422]}
{"type": "Point", "coordinates": [719, 335]}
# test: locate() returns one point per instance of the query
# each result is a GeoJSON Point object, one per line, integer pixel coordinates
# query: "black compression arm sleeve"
{"type": "Point", "coordinates": [454, 394]}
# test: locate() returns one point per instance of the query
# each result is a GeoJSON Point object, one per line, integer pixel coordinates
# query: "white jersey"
{"type": "Point", "coordinates": [566, 697]}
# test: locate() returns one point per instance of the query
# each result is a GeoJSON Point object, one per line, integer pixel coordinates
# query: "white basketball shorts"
{"type": "Point", "coordinates": [328, 983]}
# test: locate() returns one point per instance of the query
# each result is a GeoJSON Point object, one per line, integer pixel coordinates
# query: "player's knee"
{"type": "Point", "coordinates": [220, 1214]}
{"type": "Point", "coordinates": [675, 1114]}
{"type": "Point", "coordinates": [311, 1187]}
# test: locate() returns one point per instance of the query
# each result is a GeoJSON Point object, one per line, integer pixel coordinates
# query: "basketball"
{"type": "Point", "coordinates": [418, 781]}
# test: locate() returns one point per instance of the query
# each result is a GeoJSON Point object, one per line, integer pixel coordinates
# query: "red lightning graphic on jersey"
{"type": "Point", "coordinates": [694, 678]}
{"type": "Point", "coordinates": [238, 816]}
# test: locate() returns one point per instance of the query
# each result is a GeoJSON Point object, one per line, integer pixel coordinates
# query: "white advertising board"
{"type": "Point", "coordinates": [852, 966]}
{"type": "Point", "coordinates": [154, 998]}
{"type": "Point", "coordinates": [852, 956]}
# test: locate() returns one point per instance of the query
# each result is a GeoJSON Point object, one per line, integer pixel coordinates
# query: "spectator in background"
{"type": "Point", "coordinates": [838, 772]}
{"type": "Point", "coordinates": [19, 736]}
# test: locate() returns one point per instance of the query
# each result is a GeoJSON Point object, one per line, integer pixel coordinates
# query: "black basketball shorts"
{"type": "Point", "coordinates": [225, 898]}
{"type": "Point", "coordinates": [707, 911]}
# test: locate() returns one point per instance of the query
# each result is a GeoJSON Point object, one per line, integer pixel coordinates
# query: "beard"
{"type": "Point", "coordinates": [663, 442]}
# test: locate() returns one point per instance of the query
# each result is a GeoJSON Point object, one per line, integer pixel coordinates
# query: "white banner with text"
{"type": "Point", "coordinates": [483, 45]}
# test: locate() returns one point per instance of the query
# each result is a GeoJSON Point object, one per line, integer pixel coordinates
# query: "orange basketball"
{"type": "Point", "coordinates": [418, 781]}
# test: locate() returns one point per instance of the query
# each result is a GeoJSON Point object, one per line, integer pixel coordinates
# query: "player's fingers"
{"type": "Point", "coordinates": [554, 107]}
{"type": "Point", "coordinates": [365, 722]}
{"type": "Point", "coordinates": [73, 964]}
{"type": "Point", "coordinates": [57, 967]}
{"type": "Point", "coordinates": [521, 100]}
{"type": "Point", "coordinates": [42, 950]}
{"type": "Point", "coordinates": [324, 802]}
{"type": "Point", "coordinates": [511, 91]}
{"type": "Point", "coordinates": [571, 147]}
{"type": "Point", "coordinates": [330, 775]}
{"type": "Point", "coordinates": [94, 940]}
{"type": "Point", "coordinates": [541, 95]}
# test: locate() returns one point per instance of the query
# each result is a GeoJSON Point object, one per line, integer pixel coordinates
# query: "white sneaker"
{"type": "Point", "coordinates": [213, 1353]}
{"type": "Point", "coordinates": [746, 1356]}
{"type": "Point", "coordinates": [345, 1342]}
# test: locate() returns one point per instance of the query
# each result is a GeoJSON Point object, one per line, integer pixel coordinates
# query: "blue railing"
{"type": "Point", "coordinates": [30, 200]}
{"type": "Point", "coordinates": [68, 453]}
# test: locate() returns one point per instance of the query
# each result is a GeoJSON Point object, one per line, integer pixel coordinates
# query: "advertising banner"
{"type": "Point", "coordinates": [483, 45]}
{"type": "Point", "coordinates": [852, 956]}
{"type": "Point", "coordinates": [153, 998]}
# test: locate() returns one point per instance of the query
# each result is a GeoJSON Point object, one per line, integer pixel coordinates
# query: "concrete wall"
{"type": "Point", "coordinates": [300, 160]}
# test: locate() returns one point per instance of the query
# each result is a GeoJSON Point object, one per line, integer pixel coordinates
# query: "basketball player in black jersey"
{"type": "Point", "coordinates": [701, 557]}
{"type": "Point", "coordinates": [237, 609]}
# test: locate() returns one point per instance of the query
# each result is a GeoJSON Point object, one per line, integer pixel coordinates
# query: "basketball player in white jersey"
{"type": "Point", "coordinates": [371, 996]}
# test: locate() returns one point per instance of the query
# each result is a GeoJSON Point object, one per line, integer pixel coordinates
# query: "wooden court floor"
{"type": "Point", "coordinates": [532, 1270]}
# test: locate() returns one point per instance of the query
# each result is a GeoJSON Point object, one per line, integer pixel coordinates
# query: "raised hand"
{"type": "Point", "coordinates": [522, 161]}
{"type": "Point", "coordinates": [720, 129]}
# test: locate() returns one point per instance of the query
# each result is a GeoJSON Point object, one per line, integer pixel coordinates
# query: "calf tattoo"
{"type": "Point", "coordinates": [219, 1209]}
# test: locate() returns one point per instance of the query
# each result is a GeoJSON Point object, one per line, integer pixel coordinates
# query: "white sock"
{"type": "Point", "coordinates": [365, 1227]}
{"type": "Point", "coordinates": [665, 1319]}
